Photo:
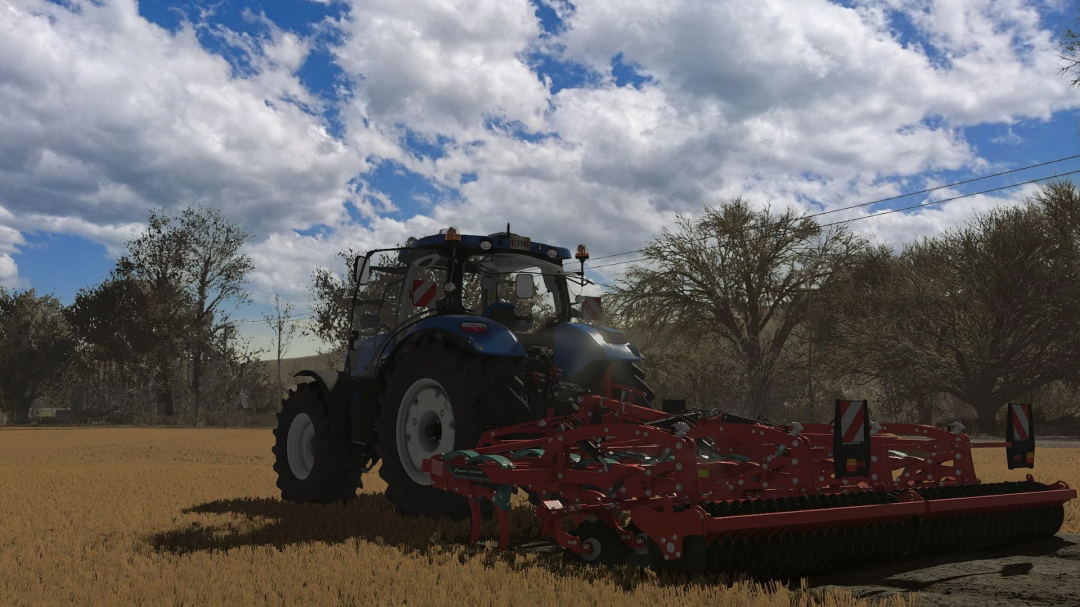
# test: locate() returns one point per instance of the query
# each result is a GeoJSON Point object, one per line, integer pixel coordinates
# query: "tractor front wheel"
{"type": "Point", "coordinates": [313, 463]}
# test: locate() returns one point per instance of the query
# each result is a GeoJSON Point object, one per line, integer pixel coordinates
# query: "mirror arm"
{"type": "Point", "coordinates": [352, 311]}
{"type": "Point", "coordinates": [352, 307]}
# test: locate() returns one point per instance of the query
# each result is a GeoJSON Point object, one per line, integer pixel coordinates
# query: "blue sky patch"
{"type": "Point", "coordinates": [550, 23]}
{"type": "Point", "coordinates": [61, 264]}
{"type": "Point", "coordinates": [317, 230]}
{"type": "Point", "coordinates": [424, 146]}
{"type": "Point", "coordinates": [515, 129]}
{"type": "Point", "coordinates": [410, 192]}
{"type": "Point", "coordinates": [562, 74]}
{"type": "Point", "coordinates": [628, 74]}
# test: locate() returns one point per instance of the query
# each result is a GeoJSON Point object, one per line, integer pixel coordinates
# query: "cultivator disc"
{"type": "Point", "coordinates": [696, 491]}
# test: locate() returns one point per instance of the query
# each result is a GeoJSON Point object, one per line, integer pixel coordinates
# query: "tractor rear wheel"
{"type": "Point", "coordinates": [431, 406]}
{"type": "Point", "coordinates": [313, 463]}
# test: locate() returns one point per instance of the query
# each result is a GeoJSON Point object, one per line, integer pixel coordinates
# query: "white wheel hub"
{"type": "Point", "coordinates": [425, 427]}
{"type": "Point", "coordinates": [300, 446]}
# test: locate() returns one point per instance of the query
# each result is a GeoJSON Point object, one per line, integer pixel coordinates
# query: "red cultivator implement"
{"type": "Point", "coordinates": [696, 491]}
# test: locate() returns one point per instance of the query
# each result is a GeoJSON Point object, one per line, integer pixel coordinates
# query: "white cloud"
{"type": "Point", "coordinates": [782, 101]}
{"type": "Point", "coordinates": [10, 240]}
{"type": "Point", "coordinates": [105, 115]}
{"type": "Point", "coordinates": [788, 101]}
{"type": "Point", "coordinates": [442, 67]}
{"type": "Point", "coordinates": [1008, 138]}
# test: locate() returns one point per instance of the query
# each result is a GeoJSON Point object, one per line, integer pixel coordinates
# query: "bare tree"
{"type": "Point", "coordinates": [198, 253]}
{"type": "Point", "coordinates": [738, 276]}
{"type": "Point", "coordinates": [35, 343]}
{"type": "Point", "coordinates": [217, 274]}
{"type": "Point", "coordinates": [987, 312]}
{"type": "Point", "coordinates": [155, 261]}
{"type": "Point", "coordinates": [1070, 54]}
{"type": "Point", "coordinates": [283, 330]}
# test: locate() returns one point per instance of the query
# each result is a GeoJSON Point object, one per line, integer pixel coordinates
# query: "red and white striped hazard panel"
{"type": "Point", "coordinates": [1021, 421]}
{"type": "Point", "coordinates": [853, 421]}
{"type": "Point", "coordinates": [590, 308]}
{"type": "Point", "coordinates": [1020, 434]}
{"type": "Point", "coordinates": [423, 292]}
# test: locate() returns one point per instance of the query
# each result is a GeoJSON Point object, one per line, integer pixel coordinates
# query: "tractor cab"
{"type": "Point", "coordinates": [514, 291]}
{"type": "Point", "coordinates": [504, 277]}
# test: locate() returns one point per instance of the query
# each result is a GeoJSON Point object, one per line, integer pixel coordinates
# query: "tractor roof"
{"type": "Point", "coordinates": [502, 242]}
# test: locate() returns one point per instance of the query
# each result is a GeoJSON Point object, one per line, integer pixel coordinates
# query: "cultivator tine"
{"type": "Point", "coordinates": [477, 519]}
{"type": "Point", "coordinates": [504, 529]}
{"type": "Point", "coordinates": [722, 493]}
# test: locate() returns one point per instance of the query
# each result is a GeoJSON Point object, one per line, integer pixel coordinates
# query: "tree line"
{"type": "Point", "coordinates": [745, 309]}
{"type": "Point", "coordinates": [767, 313]}
{"type": "Point", "coordinates": [154, 338]}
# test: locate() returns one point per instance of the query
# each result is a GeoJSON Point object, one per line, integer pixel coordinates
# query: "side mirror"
{"type": "Point", "coordinates": [362, 270]}
{"type": "Point", "coordinates": [524, 286]}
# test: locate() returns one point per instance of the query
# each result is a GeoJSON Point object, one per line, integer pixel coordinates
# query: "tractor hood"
{"type": "Point", "coordinates": [578, 346]}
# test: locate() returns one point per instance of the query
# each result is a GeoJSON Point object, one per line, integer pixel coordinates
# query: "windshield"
{"type": "Point", "coordinates": [484, 285]}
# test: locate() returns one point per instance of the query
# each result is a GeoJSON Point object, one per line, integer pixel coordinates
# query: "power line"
{"type": "Point", "coordinates": [933, 202]}
{"type": "Point", "coordinates": [880, 200]}
{"type": "Point", "coordinates": [878, 214]}
{"type": "Point", "coordinates": [941, 187]}
{"type": "Point", "coordinates": [244, 321]}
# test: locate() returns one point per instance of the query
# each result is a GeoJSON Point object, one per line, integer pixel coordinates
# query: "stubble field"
{"type": "Point", "coordinates": [192, 517]}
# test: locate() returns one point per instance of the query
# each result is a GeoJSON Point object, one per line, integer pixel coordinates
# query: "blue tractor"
{"type": "Point", "coordinates": [460, 340]}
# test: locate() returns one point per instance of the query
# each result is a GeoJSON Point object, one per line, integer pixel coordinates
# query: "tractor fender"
{"type": "Point", "coordinates": [497, 340]}
{"type": "Point", "coordinates": [325, 380]}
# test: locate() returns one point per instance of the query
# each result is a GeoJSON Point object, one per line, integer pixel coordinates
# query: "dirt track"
{"type": "Point", "coordinates": [1046, 572]}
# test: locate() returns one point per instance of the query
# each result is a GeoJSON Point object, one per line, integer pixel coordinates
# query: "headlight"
{"type": "Point", "coordinates": [485, 245]}
{"type": "Point", "coordinates": [552, 253]}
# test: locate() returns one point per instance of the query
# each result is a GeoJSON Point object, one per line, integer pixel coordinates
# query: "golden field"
{"type": "Point", "coordinates": [191, 517]}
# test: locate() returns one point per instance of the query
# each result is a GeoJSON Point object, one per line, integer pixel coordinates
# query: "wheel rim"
{"type": "Point", "coordinates": [301, 446]}
{"type": "Point", "coordinates": [425, 427]}
{"type": "Point", "coordinates": [594, 553]}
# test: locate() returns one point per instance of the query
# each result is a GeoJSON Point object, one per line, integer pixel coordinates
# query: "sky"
{"type": "Point", "coordinates": [320, 124]}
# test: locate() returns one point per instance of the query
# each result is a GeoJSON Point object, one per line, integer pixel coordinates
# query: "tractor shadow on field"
{"type": "Point", "coordinates": [224, 525]}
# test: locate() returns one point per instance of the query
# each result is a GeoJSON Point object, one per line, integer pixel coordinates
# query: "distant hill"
{"type": "Point", "coordinates": [289, 367]}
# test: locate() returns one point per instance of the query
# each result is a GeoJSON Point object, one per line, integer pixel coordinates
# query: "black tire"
{"type": "Point", "coordinates": [631, 375]}
{"type": "Point", "coordinates": [639, 384]}
{"type": "Point", "coordinates": [333, 475]}
{"type": "Point", "coordinates": [461, 377]}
